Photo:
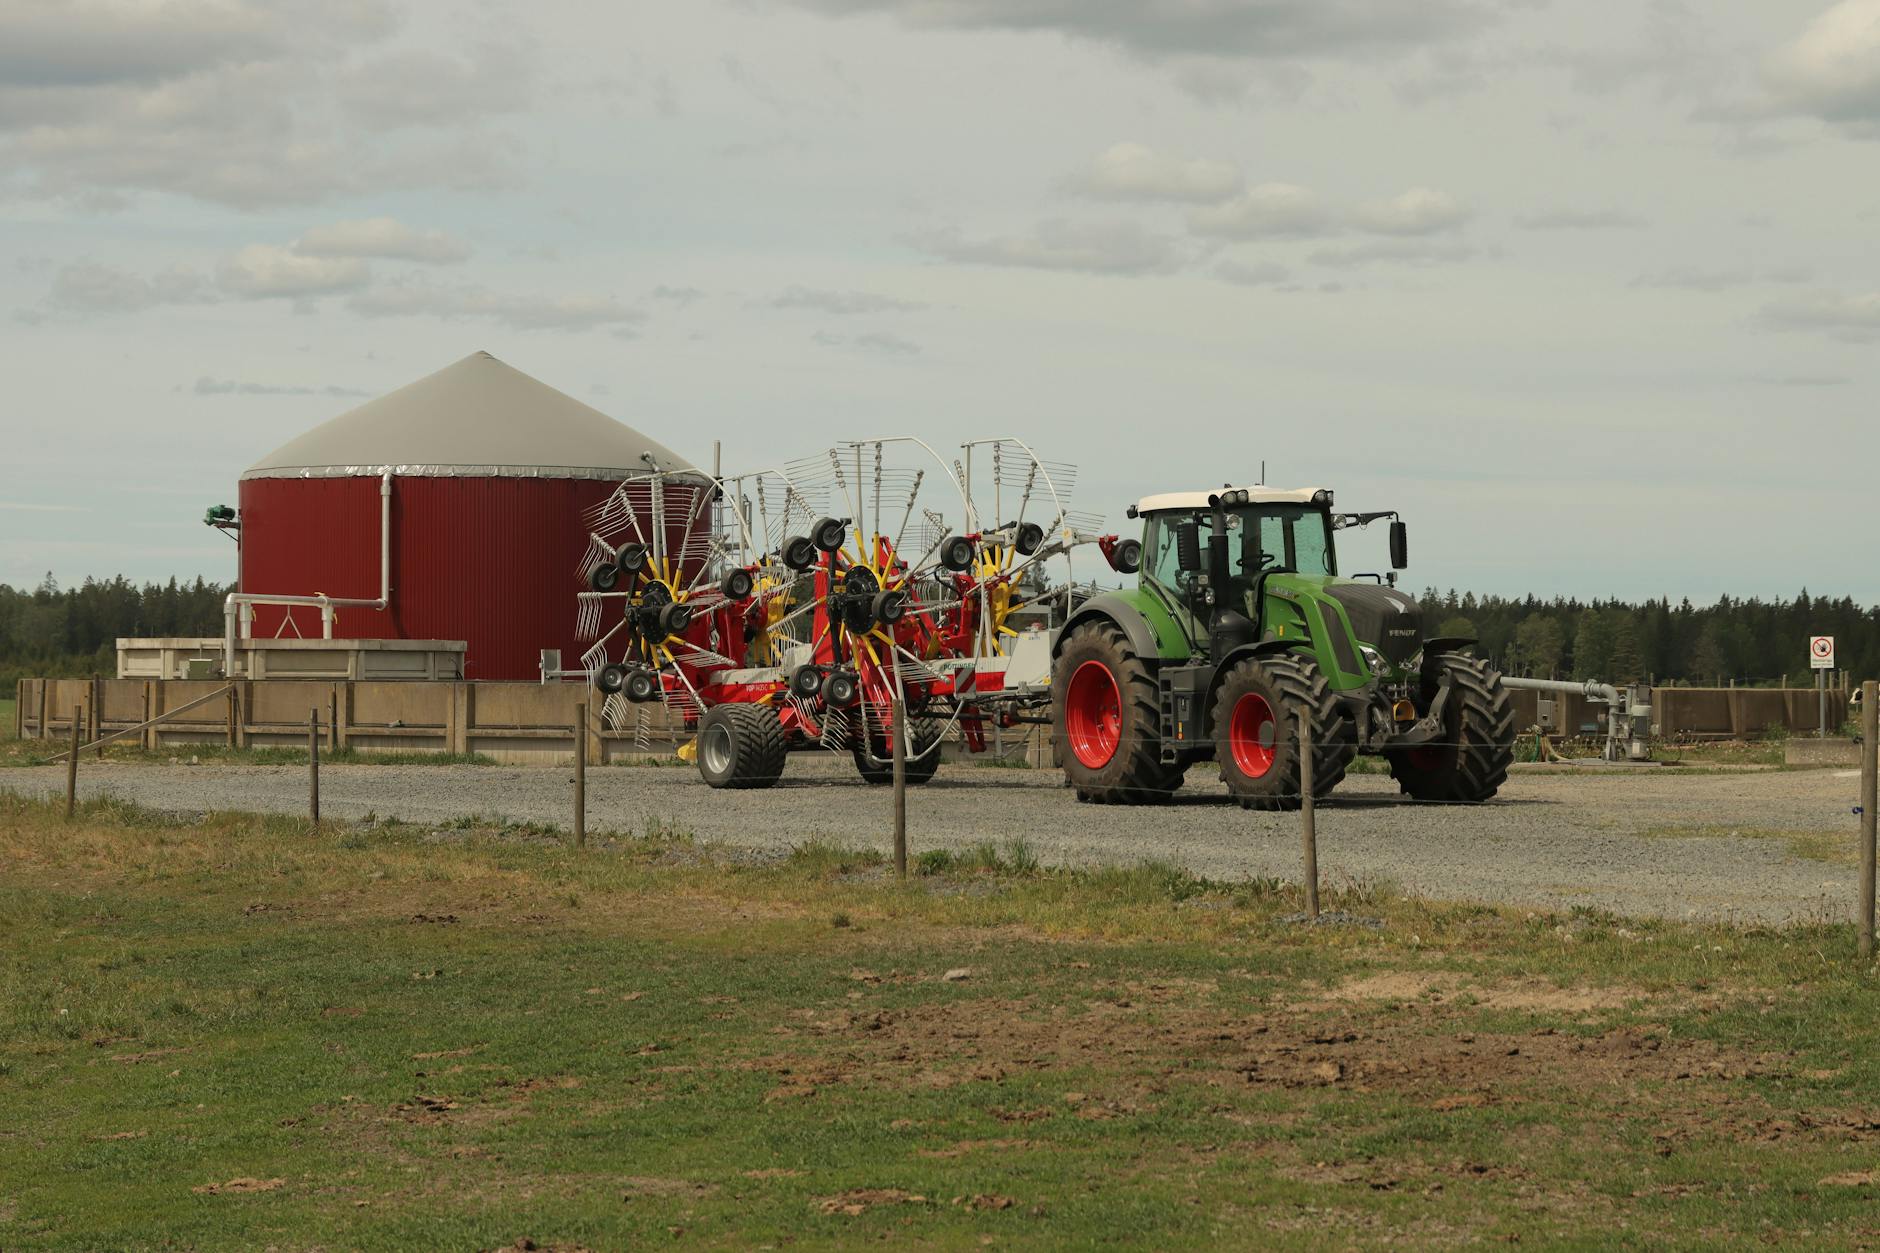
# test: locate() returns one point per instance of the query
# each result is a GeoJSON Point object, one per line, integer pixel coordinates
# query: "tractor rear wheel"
{"type": "Point", "coordinates": [1256, 731]}
{"type": "Point", "coordinates": [923, 734]}
{"type": "Point", "coordinates": [1103, 710]}
{"type": "Point", "coordinates": [741, 746]}
{"type": "Point", "coordinates": [1478, 730]}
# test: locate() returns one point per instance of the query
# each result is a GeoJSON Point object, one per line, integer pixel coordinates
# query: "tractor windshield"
{"type": "Point", "coordinates": [1297, 538]}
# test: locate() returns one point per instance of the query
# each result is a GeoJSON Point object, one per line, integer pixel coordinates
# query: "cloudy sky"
{"type": "Point", "coordinates": [1590, 290]}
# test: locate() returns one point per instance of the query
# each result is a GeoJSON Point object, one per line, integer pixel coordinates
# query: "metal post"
{"type": "Point", "coordinates": [231, 713]}
{"type": "Point", "coordinates": [580, 775]}
{"type": "Point", "coordinates": [900, 786]}
{"type": "Point", "coordinates": [313, 765]}
{"type": "Point", "coordinates": [1821, 697]}
{"type": "Point", "coordinates": [1307, 819]}
{"type": "Point", "coordinates": [332, 722]}
{"type": "Point", "coordinates": [45, 732]}
{"type": "Point", "coordinates": [1869, 803]}
{"type": "Point", "coordinates": [97, 713]}
{"type": "Point", "coordinates": [71, 763]}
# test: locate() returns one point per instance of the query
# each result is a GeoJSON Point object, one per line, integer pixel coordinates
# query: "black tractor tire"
{"type": "Point", "coordinates": [1108, 733]}
{"type": "Point", "coordinates": [737, 585]}
{"type": "Point", "coordinates": [611, 678]}
{"type": "Point", "coordinates": [829, 534]}
{"type": "Point", "coordinates": [604, 578]}
{"type": "Point", "coordinates": [956, 553]}
{"type": "Point", "coordinates": [741, 746]}
{"type": "Point", "coordinates": [923, 735]}
{"type": "Point", "coordinates": [1256, 731]}
{"type": "Point", "coordinates": [1472, 764]}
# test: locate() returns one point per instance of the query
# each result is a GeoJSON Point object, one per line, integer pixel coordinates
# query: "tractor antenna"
{"type": "Point", "coordinates": [1263, 473]}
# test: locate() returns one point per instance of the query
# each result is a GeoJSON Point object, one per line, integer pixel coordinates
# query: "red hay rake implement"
{"type": "Point", "coordinates": [790, 609]}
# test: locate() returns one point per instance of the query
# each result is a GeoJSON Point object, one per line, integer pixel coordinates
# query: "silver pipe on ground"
{"type": "Point", "coordinates": [1633, 706]}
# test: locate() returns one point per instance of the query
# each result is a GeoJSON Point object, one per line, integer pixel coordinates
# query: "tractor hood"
{"type": "Point", "coordinates": [1383, 617]}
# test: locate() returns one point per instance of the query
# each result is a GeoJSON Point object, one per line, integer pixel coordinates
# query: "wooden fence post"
{"type": "Point", "coordinates": [97, 712]}
{"type": "Point", "coordinates": [149, 736]}
{"type": "Point", "coordinates": [313, 765]}
{"type": "Point", "coordinates": [580, 774]}
{"type": "Point", "coordinates": [71, 763]}
{"type": "Point", "coordinates": [45, 687]}
{"type": "Point", "coordinates": [231, 713]}
{"type": "Point", "coordinates": [1308, 821]}
{"type": "Point", "coordinates": [1869, 802]}
{"type": "Point", "coordinates": [900, 783]}
{"type": "Point", "coordinates": [332, 720]}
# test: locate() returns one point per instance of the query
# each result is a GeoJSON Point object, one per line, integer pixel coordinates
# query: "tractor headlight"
{"type": "Point", "coordinates": [1374, 660]}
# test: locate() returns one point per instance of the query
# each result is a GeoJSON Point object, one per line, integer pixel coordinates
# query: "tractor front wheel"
{"type": "Point", "coordinates": [1256, 731]}
{"type": "Point", "coordinates": [741, 746]}
{"type": "Point", "coordinates": [1471, 763]}
{"type": "Point", "coordinates": [1103, 709]}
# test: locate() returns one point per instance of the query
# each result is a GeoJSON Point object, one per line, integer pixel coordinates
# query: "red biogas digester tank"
{"type": "Point", "coordinates": [492, 472]}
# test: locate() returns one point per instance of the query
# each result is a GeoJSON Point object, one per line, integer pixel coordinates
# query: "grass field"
{"type": "Point", "coordinates": [241, 1032]}
{"type": "Point", "coordinates": [8, 707]}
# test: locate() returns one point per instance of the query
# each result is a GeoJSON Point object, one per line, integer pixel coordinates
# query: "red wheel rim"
{"type": "Point", "coordinates": [1093, 715]}
{"type": "Point", "coordinates": [1250, 735]}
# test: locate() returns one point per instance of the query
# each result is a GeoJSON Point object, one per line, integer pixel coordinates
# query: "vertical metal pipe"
{"type": "Point", "coordinates": [580, 774]}
{"type": "Point", "coordinates": [71, 764]}
{"type": "Point", "coordinates": [1307, 819]}
{"type": "Point", "coordinates": [1869, 803]}
{"type": "Point", "coordinates": [313, 765]}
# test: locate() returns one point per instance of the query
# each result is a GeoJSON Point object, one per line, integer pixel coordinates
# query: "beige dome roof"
{"type": "Point", "coordinates": [477, 417]}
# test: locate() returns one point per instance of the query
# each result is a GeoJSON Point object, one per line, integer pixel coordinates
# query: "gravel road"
{"type": "Point", "coordinates": [1549, 840]}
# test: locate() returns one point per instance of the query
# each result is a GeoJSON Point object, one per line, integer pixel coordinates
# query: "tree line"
{"type": "Point", "coordinates": [57, 632]}
{"type": "Point", "coordinates": [1742, 641]}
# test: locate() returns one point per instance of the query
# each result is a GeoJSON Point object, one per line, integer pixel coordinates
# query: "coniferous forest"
{"type": "Point", "coordinates": [54, 631]}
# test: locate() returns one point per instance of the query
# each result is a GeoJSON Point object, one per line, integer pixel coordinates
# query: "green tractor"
{"type": "Point", "coordinates": [1239, 623]}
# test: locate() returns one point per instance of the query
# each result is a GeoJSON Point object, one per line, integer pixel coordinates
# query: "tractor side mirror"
{"type": "Point", "coordinates": [1399, 544]}
{"type": "Point", "coordinates": [1188, 546]}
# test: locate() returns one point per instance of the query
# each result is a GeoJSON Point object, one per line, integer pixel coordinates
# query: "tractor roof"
{"type": "Point", "coordinates": [1256, 495]}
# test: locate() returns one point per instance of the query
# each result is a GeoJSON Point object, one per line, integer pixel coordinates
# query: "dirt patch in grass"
{"type": "Point", "coordinates": [1414, 1054]}
{"type": "Point", "coordinates": [1437, 987]}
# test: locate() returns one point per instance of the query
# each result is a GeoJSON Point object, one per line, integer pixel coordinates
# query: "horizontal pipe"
{"type": "Point", "coordinates": [1592, 691]}
{"type": "Point", "coordinates": [325, 604]}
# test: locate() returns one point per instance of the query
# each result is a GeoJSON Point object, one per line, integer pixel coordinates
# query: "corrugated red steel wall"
{"type": "Point", "coordinates": [490, 561]}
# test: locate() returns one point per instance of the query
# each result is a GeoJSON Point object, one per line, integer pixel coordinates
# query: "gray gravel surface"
{"type": "Point", "coordinates": [1550, 840]}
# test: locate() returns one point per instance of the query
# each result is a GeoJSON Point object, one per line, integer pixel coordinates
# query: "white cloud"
{"type": "Point", "coordinates": [206, 386]}
{"type": "Point", "coordinates": [1693, 278]}
{"type": "Point", "coordinates": [1419, 211]}
{"type": "Point", "coordinates": [381, 237]}
{"type": "Point", "coordinates": [1832, 69]}
{"type": "Point", "coordinates": [879, 343]}
{"type": "Point", "coordinates": [1394, 251]}
{"type": "Point", "coordinates": [239, 102]}
{"type": "Point", "coordinates": [88, 287]}
{"type": "Point", "coordinates": [843, 302]}
{"type": "Point", "coordinates": [1092, 248]}
{"type": "Point", "coordinates": [1581, 220]}
{"type": "Point", "coordinates": [1258, 274]}
{"type": "Point", "coordinates": [416, 295]}
{"type": "Point", "coordinates": [1266, 211]}
{"type": "Point", "coordinates": [1130, 171]}
{"type": "Point", "coordinates": [1852, 317]}
{"type": "Point", "coordinates": [263, 270]}
{"type": "Point", "coordinates": [1157, 29]}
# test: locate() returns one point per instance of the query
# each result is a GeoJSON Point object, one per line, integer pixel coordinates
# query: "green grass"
{"type": "Point", "coordinates": [8, 708]}
{"type": "Point", "coordinates": [457, 1038]}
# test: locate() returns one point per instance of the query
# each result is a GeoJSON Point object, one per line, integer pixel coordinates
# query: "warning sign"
{"type": "Point", "coordinates": [1821, 652]}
